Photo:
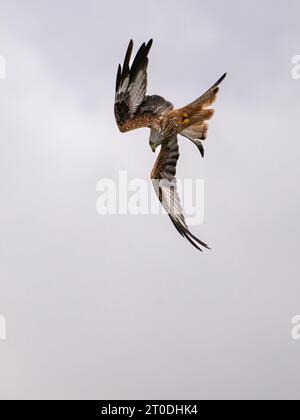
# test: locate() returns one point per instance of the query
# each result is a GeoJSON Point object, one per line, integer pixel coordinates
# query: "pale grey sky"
{"type": "Point", "coordinates": [121, 307]}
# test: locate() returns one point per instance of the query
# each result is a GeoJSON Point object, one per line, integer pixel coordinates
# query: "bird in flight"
{"type": "Point", "coordinates": [134, 109]}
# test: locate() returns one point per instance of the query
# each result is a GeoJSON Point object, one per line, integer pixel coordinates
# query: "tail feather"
{"type": "Point", "coordinates": [196, 131]}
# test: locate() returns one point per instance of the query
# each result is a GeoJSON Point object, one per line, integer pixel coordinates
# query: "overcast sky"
{"type": "Point", "coordinates": [121, 306]}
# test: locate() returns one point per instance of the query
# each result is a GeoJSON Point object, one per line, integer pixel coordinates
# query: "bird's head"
{"type": "Point", "coordinates": [155, 140]}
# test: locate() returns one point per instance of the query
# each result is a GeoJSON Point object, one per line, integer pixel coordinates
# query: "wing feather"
{"type": "Point", "coordinates": [131, 88]}
{"type": "Point", "coordinates": [209, 97]}
{"type": "Point", "coordinates": [164, 181]}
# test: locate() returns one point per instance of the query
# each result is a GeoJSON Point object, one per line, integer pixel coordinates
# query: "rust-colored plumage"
{"type": "Point", "coordinates": [134, 109]}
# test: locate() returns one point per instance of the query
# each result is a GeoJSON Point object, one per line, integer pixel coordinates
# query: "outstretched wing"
{"type": "Point", "coordinates": [164, 181]}
{"type": "Point", "coordinates": [133, 109]}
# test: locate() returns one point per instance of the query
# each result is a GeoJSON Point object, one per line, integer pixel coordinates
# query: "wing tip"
{"type": "Point", "coordinates": [193, 238]}
{"type": "Point", "coordinates": [221, 79]}
{"type": "Point", "coordinates": [140, 58]}
{"type": "Point", "coordinates": [150, 43]}
{"type": "Point", "coordinates": [189, 236]}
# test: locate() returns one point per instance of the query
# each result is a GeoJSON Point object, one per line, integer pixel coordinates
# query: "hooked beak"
{"type": "Point", "coordinates": [154, 147]}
